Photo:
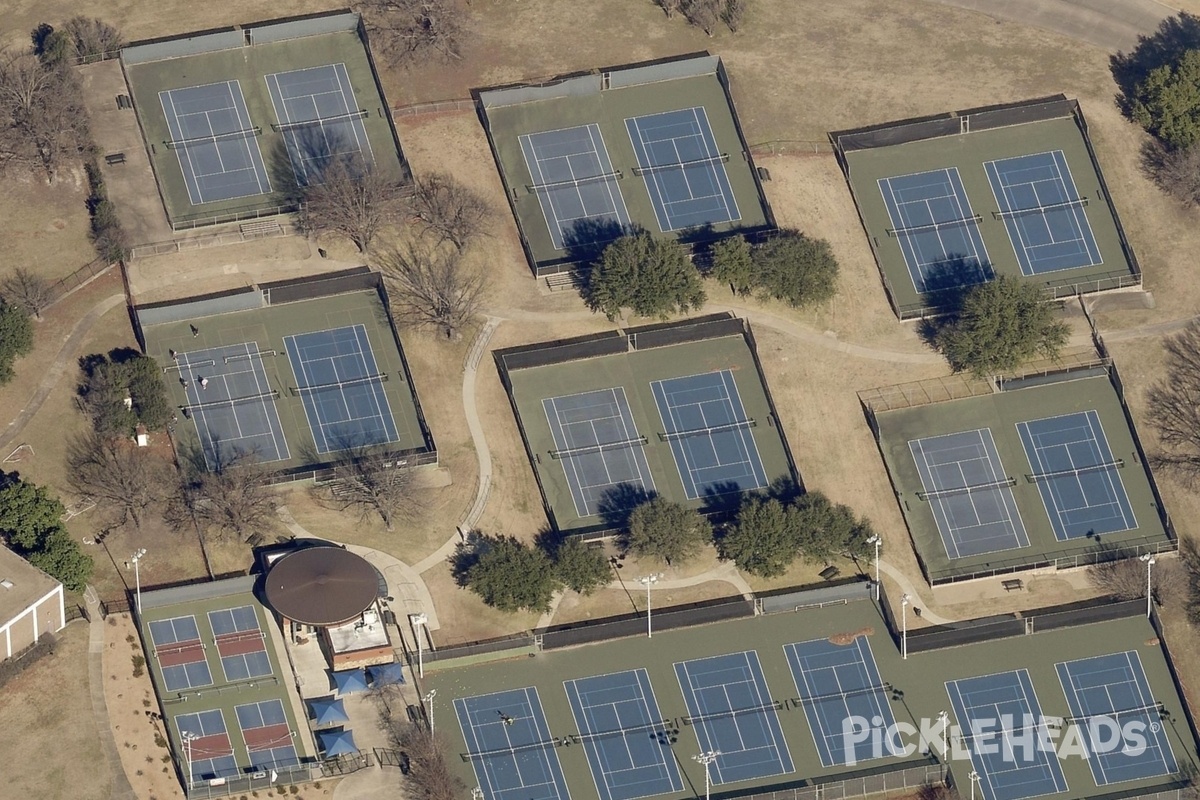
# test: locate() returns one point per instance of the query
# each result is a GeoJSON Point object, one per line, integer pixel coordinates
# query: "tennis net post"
{"type": "Point", "coordinates": [245, 133]}
{"type": "Point", "coordinates": [695, 162]}
{"type": "Point", "coordinates": [935, 226]}
{"type": "Point", "coordinates": [534, 188]}
{"type": "Point", "coordinates": [667, 436]}
{"type": "Point", "coordinates": [1082, 202]}
{"type": "Point", "coordinates": [1068, 473]}
{"type": "Point", "coordinates": [280, 127]}
{"type": "Point", "coordinates": [597, 448]}
{"type": "Point", "coordinates": [979, 487]}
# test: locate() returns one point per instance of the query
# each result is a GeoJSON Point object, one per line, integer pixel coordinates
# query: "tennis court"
{"type": "Point", "coordinates": [267, 734]}
{"type": "Point", "coordinates": [838, 683]}
{"type": "Point", "coordinates": [342, 388]}
{"type": "Point", "coordinates": [510, 746]}
{"type": "Point", "coordinates": [1113, 689]}
{"type": "Point", "coordinates": [624, 736]}
{"type": "Point", "coordinates": [969, 493]}
{"type": "Point", "coordinates": [231, 403]}
{"type": "Point", "coordinates": [1077, 475]}
{"type": "Point", "coordinates": [211, 752]}
{"type": "Point", "coordinates": [731, 711]}
{"type": "Point", "coordinates": [240, 643]}
{"type": "Point", "coordinates": [1006, 735]}
{"type": "Point", "coordinates": [215, 142]}
{"type": "Point", "coordinates": [1044, 215]}
{"type": "Point", "coordinates": [709, 432]}
{"type": "Point", "coordinates": [597, 442]}
{"type": "Point", "coordinates": [576, 184]}
{"type": "Point", "coordinates": [180, 653]}
{"type": "Point", "coordinates": [937, 230]}
{"type": "Point", "coordinates": [319, 118]}
{"type": "Point", "coordinates": [683, 169]}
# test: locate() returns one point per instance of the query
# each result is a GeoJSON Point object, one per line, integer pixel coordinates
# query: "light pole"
{"type": "Point", "coordinates": [1149, 559]}
{"type": "Point", "coordinates": [419, 621]}
{"type": "Point", "coordinates": [137, 576]}
{"type": "Point", "coordinates": [944, 718]}
{"type": "Point", "coordinates": [704, 759]}
{"type": "Point", "coordinates": [648, 581]}
{"type": "Point", "coordinates": [876, 541]}
{"type": "Point", "coordinates": [188, 737]}
{"type": "Point", "coordinates": [904, 601]}
{"type": "Point", "coordinates": [477, 793]}
{"type": "Point", "coordinates": [974, 776]}
{"type": "Point", "coordinates": [428, 698]}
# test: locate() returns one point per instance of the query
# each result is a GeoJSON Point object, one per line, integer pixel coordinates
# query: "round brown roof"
{"type": "Point", "coordinates": [321, 586]}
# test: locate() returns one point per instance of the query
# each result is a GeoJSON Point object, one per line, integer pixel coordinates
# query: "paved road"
{"type": "Point", "coordinates": [1111, 24]}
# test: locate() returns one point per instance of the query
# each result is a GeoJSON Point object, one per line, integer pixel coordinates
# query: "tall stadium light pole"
{"type": "Point", "coordinates": [137, 576]}
{"type": "Point", "coordinates": [944, 718]}
{"type": "Point", "coordinates": [974, 776]}
{"type": "Point", "coordinates": [648, 581]}
{"type": "Point", "coordinates": [904, 601]}
{"type": "Point", "coordinates": [1149, 559]}
{"type": "Point", "coordinates": [188, 737]}
{"type": "Point", "coordinates": [704, 759]}
{"type": "Point", "coordinates": [429, 707]}
{"type": "Point", "coordinates": [875, 541]}
{"type": "Point", "coordinates": [419, 622]}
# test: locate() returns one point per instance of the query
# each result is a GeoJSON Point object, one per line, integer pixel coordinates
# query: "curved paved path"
{"type": "Point", "coordinates": [66, 356]}
{"type": "Point", "coordinates": [1111, 24]}
{"type": "Point", "coordinates": [121, 789]}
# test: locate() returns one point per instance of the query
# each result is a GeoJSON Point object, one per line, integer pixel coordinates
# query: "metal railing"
{"type": "Point", "coordinates": [234, 216]}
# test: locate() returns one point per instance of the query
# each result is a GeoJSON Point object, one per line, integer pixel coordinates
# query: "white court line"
{"type": "Point", "coordinates": [377, 388]}
{"type": "Point", "coordinates": [347, 90]}
{"type": "Point", "coordinates": [165, 98]}
{"type": "Point", "coordinates": [647, 479]}
{"type": "Point", "coordinates": [557, 430]}
{"type": "Point", "coordinates": [734, 213]}
{"type": "Point", "coordinates": [1077, 210]}
{"type": "Point", "coordinates": [279, 451]}
{"type": "Point", "coordinates": [245, 123]}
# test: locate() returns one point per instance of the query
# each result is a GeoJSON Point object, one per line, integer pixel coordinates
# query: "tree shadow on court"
{"type": "Point", "coordinates": [1175, 36]}
{"type": "Point", "coordinates": [947, 285]}
{"type": "Point", "coordinates": [723, 496]}
{"type": "Point", "coordinates": [316, 149]}
{"type": "Point", "coordinates": [619, 501]}
{"type": "Point", "coordinates": [283, 176]}
{"type": "Point", "coordinates": [584, 242]}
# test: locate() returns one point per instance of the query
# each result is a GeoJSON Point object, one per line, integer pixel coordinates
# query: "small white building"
{"type": "Point", "coordinates": [31, 604]}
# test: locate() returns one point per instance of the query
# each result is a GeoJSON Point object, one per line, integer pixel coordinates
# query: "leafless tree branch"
{"type": "Point", "coordinates": [27, 290]}
{"type": "Point", "coordinates": [450, 211]}
{"type": "Point", "coordinates": [433, 286]}
{"type": "Point", "coordinates": [408, 32]}
{"type": "Point", "coordinates": [353, 199]}
{"type": "Point", "coordinates": [1175, 405]}
{"type": "Point", "coordinates": [117, 474]}
{"type": "Point", "coordinates": [371, 481]}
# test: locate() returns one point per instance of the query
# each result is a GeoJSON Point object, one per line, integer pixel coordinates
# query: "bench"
{"type": "Point", "coordinates": [114, 158]}
{"type": "Point", "coordinates": [560, 281]}
{"type": "Point", "coordinates": [1016, 584]}
{"type": "Point", "coordinates": [263, 227]}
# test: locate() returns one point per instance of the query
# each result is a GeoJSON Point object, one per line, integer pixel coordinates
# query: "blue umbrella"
{"type": "Point", "coordinates": [386, 673]}
{"type": "Point", "coordinates": [337, 743]}
{"type": "Point", "coordinates": [328, 711]}
{"type": "Point", "coordinates": [350, 681]}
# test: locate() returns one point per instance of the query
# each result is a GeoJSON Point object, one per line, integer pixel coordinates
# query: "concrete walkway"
{"type": "Point", "coordinates": [907, 587]}
{"type": "Point", "coordinates": [121, 789]}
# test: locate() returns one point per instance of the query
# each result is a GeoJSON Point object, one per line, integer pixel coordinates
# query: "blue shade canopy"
{"type": "Point", "coordinates": [384, 674]}
{"type": "Point", "coordinates": [350, 681]}
{"type": "Point", "coordinates": [328, 711]}
{"type": "Point", "coordinates": [337, 743]}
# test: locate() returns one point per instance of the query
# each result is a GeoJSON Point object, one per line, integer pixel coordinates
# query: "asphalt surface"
{"type": "Point", "coordinates": [1111, 24]}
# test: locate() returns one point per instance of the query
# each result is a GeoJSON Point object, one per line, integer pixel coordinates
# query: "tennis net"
{"type": "Point", "coordinates": [230, 401]}
{"type": "Point", "coordinates": [729, 426]}
{"type": "Point", "coordinates": [661, 726]}
{"type": "Point", "coordinates": [597, 448]}
{"type": "Point", "coordinates": [979, 487]}
{"type": "Point", "coordinates": [1070, 473]}
{"type": "Point", "coordinates": [249, 356]}
{"type": "Point", "coordinates": [696, 162]}
{"type": "Point", "coordinates": [280, 127]}
{"type": "Point", "coordinates": [506, 751]}
{"type": "Point", "coordinates": [1017, 212]}
{"type": "Point", "coordinates": [774, 705]}
{"type": "Point", "coordinates": [245, 133]}
{"type": "Point", "coordinates": [534, 188]}
{"type": "Point", "coordinates": [297, 391]}
{"type": "Point", "coordinates": [1153, 710]}
{"type": "Point", "coordinates": [883, 688]}
{"type": "Point", "coordinates": [935, 226]}
{"type": "Point", "coordinates": [188, 365]}
{"type": "Point", "coordinates": [992, 737]}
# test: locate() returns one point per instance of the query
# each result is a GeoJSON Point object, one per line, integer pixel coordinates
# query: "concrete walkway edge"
{"type": "Point", "coordinates": [121, 789]}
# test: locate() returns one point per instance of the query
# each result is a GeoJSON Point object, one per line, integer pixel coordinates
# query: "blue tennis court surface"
{"type": "Point", "coordinates": [510, 746]}
{"type": "Point", "coordinates": [1006, 735]}
{"type": "Point", "coordinates": [575, 184]}
{"type": "Point", "coordinates": [710, 435]}
{"type": "Point", "coordinates": [683, 168]}
{"type": "Point", "coordinates": [210, 753]}
{"type": "Point", "coordinates": [1114, 687]}
{"type": "Point", "coordinates": [936, 229]}
{"type": "Point", "coordinates": [731, 710]}
{"type": "Point", "coordinates": [342, 388]}
{"type": "Point", "coordinates": [1044, 215]}
{"type": "Point", "coordinates": [319, 118]}
{"type": "Point", "coordinates": [597, 441]}
{"type": "Point", "coordinates": [1076, 475]}
{"type": "Point", "coordinates": [624, 736]}
{"type": "Point", "coordinates": [232, 404]}
{"type": "Point", "coordinates": [214, 139]}
{"type": "Point", "coordinates": [838, 683]}
{"type": "Point", "coordinates": [969, 493]}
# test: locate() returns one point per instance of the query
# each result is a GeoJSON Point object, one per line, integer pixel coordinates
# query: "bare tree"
{"type": "Point", "coordinates": [1125, 579]}
{"type": "Point", "coordinates": [42, 118]}
{"type": "Point", "coordinates": [409, 32]}
{"type": "Point", "coordinates": [118, 474]}
{"type": "Point", "coordinates": [733, 13]}
{"type": "Point", "coordinates": [428, 775]}
{"type": "Point", "coordinates": [354, 199]}
{"type": "Point", "coordinates": [371, 482]}
{"type": "Point", "coordinates": [704, 14]}
{"type": "Point", "coordinates": [1175, 405]}
{"type": "Point", "coordinates": [433, 286]}
{"type": "Point", "coordinates": [450, 211]}
{"type": "Point", "coordinates": [232, 499]}
{"type": "Point", "coordinates": [91, 37]}
{"type": "Point", "coordinates": [31, 292]}
{"type": "Point", "coordinates": [670, 7]}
